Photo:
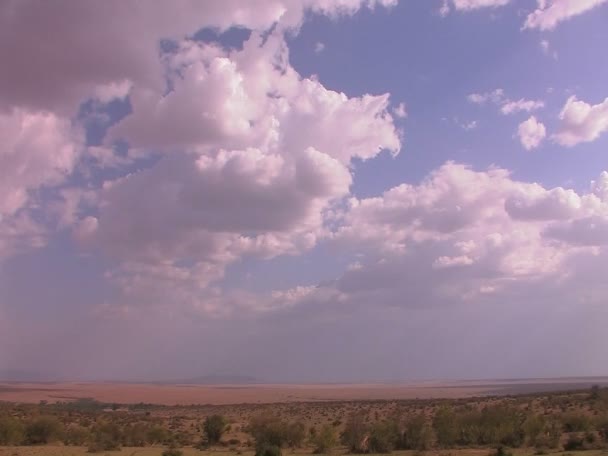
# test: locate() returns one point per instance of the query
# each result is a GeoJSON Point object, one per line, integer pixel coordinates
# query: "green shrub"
{"type": "Point", "coordinates": [76, 435]}
{"type": "Point", "coordinates": [135, 435]}
{"type": "Point", "coordinates": [295, 433]}
{"type": "Point", "coordinates": [324, 440]}
{"type": "Point", "coordinates": [355, 433]}
{"type": "Point", "coordinates": [417, 435]}
{"type": "Point", "coordinates": [575, 422]}
{"type": "Point", "coordinates": [446, 427]}
{"type": "Point", "coordinates": [157, 435]}
{"type": "Point", "coordinates": [501, 451]}
{"type": "Point", "coordinates": [383, 437]}
{"type": "Point", "coordinates": [268, 450]}
{"type": "Point", "coordinates": [574, 443]}
{"type": "Point", "coordinates": [269, 430]}
{"type": "Point", "coordinates": [43, 430]}
{"type": "Point", "coordinates": [106, 437]}
{"type": "Point", "coordinates": [214, 427]}
{"type": "Point", "coordinates": [12, 431]}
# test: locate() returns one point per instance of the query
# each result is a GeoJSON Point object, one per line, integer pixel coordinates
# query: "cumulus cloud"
{"type": "Point", "coordinates": [496, 96]}
{"type": "Point", "coordinates": [254, 156]}
{"type": "Point", "coordinates": [38, 149]}
{"type": "Point", "coordinates": [20, 233]}
{"type": "Point", "coordinates": [464, 236]}
{"type": "Point", "coordinates": [550, 13]}
{"type": "Point", "coordinates": [101, 49]}
{"type": "Point", "coordinates": [506, 105]}
{"type": "Point", "coordinates": [470, 5]}
{"type": "Point", "coordinates": [581, 122]}
{"type": "Point", "coordinates": [400, 111]}
{"type": "Point", "coordinates": [200, 98]}
{"type": "Point", "coordinates": [531, 133]}
{"type": "Point", "coordinates": [254, 98]}
{"type": "Point", "coordinates": [511, 107]}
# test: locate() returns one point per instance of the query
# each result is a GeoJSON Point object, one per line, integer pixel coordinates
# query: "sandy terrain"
{"type": "Point", "coordinates": [129, 393]}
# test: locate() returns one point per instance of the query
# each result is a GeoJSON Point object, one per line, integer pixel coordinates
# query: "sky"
{"type": "Point", "coordinates": [303, 190]}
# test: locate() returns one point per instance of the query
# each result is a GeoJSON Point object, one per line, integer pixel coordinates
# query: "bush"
{"type": "Point", "coordinates": [106, 437]}
{"type": "Point", "coordinates": [324, 440]}
{"type": "Point", "coordinates": [446, 427]}
{"type": "Point", "coordinates": [268, 450]}
{"type": "Point", "coordinates": [534, 427]}
{"type": "Point", "coordinates": [214, 427]}
{"type": "Point", "coordinates": [269, 430]}
{"type": "Point", "coordinates": [77, 436]}
{"type": "Point", "coordinates": [574, 443]}
{"type": "Point", "coordinates": [12, 431]}
{"type": "Point", "coordinates": [575, 422]}
{"type": "Point", "coordinates": [43, 430]}
{"type": "Point", "coordinates": [355, 433]}
{"type": "Point", "coordinates": [550, 436]}
{"type": "Point", "coordinates": [157, 435]}
{"type": "Point", "coordinates": [135, 435]}
{"type": "Point", "coordinates": [383, 438]}
{"type": "Point", "coordinates": [417, 435]}
{"type": "Point", "coordinates": [295, 433]}
{"type": "Point", "coordinates": [501, 451]}
{"type": "Point", "coordinates": [172, 452]}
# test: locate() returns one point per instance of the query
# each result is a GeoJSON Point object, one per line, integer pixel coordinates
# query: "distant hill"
{"type": "Point", "coordinates": [216, 379]}
{"type": "Point", "coordinates": [9, 375]}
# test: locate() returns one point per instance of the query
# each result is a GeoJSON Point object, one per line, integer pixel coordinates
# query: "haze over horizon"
{"type": "Point", "coordinates": [304, 190]}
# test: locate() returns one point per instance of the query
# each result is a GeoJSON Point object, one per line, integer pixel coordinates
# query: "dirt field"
{"type": "Point", "coordinates": [131, 393]}
{"type": "Point", "coordinates": [151, 451]}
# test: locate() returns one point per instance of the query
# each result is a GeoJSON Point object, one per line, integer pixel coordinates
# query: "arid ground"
{"type": "Point", "coordinates": [163, 394]}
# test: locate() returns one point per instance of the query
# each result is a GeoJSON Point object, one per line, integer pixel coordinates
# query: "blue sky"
{"type": "Point", "coordinates": [358, 190]}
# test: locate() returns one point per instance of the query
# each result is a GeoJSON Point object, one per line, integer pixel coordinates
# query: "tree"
{"type": "Point", "coordinates": [214, 427]}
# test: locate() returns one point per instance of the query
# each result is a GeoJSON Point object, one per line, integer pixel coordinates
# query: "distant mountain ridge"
{"type": "Point", "coordinates": [216, 379]}
{"type": "Point", "coordinates": [10, 375]}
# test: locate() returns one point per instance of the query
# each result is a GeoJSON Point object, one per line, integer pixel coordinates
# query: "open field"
{"type": "Point", "coordinates": [153, 451]}
{"type": "Point", "coordinates": [163, 394]}
{"type": "Point", "coordinates": [529, 423]}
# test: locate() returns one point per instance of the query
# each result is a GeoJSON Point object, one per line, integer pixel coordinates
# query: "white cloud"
{"type": "Point", "coordinates": [20, 233]}
{"type": "Point", "coordinates": [254, 98]}
{"type": "Point", "coordinates": [255, 157]}
{"type": "Point", "coordinates": [555, 204]}
{"type": "Point", "coordinates": [550, 13]}
{"type": "Point", "coordinates": [496, 96]}
{"type": "Point", "coordinates": [400, 111]}
{"type": "Point", "coordinates": [468, 126]}
{"type": "Point", "coordinates": [511, 107]}
{"type": "Point", "coordinates": [469, 236]}
{"type": "Point", "coordinates": [470, 5]}
{"type": "Point", "coordinates": [507, 106]}
{"type": "Point", "coordinates": [531, 133]}
{"type": "Point", "coordinates": [120, 46]}
{"type": "Point", "coordinates": [545, 46]}
{"type": "Point", "coordinates": [319, 47]}
{"type": "Point", "coordinates": [38, 149]}
{"type": "Point", "coordinates": [581, 122]}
